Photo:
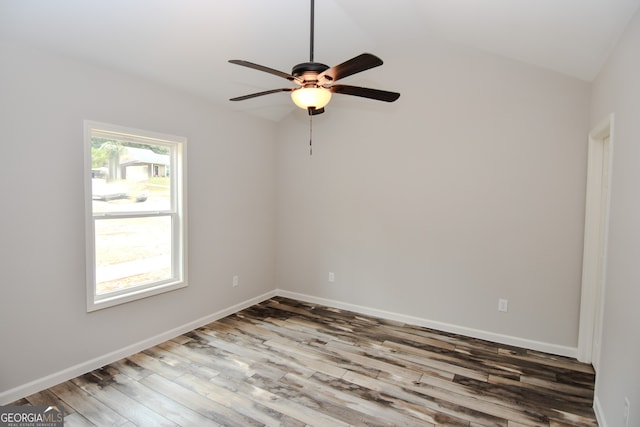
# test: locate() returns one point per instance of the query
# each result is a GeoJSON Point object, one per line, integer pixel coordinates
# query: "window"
{"type": "Point", "coordinates": [135, 218]}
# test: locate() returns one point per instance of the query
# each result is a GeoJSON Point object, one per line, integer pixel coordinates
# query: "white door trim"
{"type": "Point", "coordinates": [595, 240]}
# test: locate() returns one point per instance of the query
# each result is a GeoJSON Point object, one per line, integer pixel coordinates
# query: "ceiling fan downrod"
{"type": "Point", "coordinates": [311, 30]}
{"type": "Point", "coordinates": [310, 68]}
{"type": "Point", "coordinates": [311, 110]}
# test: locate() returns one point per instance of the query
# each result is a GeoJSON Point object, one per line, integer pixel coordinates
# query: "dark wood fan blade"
{"type": "Point", "coordinates": [365, 92]}
{"type": "Point", "coordinates": [266, 70]}
{"type": "Point", "coordinates": [352, 66]}
{"type": "Point", "coordinates": [266, 92]}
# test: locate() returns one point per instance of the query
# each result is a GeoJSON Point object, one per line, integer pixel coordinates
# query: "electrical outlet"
{"type": "Point", "coordinates": [503, 305]}
{"type": "Point", "coordinates": [332, 277]}
{"type": "Point", "coordinates": [627, 408]}
{"type": "Point", "coordinates": [235, 281]}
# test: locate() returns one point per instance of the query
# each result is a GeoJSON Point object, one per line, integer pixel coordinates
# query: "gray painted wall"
{"type": "Point", "coordinates": [470, 188]}
{"type": "Point", "coordinates": [44, 326]}
{"type": "Point", "coordinates": [617, 90]}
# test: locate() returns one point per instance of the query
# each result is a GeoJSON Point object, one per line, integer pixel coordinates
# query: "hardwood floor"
{"type": "Point", "coordinates": [287, 363]}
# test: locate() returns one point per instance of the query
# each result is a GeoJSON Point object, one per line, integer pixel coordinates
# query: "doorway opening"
{"type": "Point", "coordinates": [595, 241]}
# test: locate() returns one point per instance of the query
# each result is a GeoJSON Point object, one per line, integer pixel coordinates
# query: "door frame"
{"type": "Point", "coordinates": [599, 163]}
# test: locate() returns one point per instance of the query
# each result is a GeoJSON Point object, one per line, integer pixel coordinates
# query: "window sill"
{"type": "Point", "coordinates": [98, 303]}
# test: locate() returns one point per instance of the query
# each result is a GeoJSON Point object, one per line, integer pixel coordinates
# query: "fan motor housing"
{"type": "Point", "coordinates": [308, 67]}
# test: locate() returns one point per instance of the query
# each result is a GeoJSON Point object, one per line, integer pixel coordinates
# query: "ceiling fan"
{"type": "Point", "coordinates": [316, 80]}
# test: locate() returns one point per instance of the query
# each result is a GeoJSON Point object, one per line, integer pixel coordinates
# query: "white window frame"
{"type": "Point", "coordinates": [177, 213]}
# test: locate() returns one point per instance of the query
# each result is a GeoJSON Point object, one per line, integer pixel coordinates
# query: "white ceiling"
{"type": "Point", "coordinates": [186, 43]}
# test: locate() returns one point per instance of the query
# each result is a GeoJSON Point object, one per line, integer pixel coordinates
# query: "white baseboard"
{"type": "Point", "coordinates": [440, 326]}
{"type": "Point", "coordinates": [90, 365]}
{"type": "Point", "coordinates": [602, 422]}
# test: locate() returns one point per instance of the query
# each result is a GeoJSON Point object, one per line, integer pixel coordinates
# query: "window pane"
{"type": "Point", "coordinates": [132, 252]}
{"type": "Point", "coordinates": [134, 206]}
{"type": "Point", "coordinates": [128, 176]}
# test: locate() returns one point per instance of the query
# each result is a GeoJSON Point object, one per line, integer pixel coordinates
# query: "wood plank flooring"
{"type": "Point", "coordinates": [288, 363]}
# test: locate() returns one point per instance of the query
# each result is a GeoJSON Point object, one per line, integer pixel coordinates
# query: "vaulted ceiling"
{"type": "Point", "coordinates": [186, 43]}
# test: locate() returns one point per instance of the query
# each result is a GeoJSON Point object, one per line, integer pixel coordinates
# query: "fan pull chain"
{"type": "Point", "coordinates": [310, 135]}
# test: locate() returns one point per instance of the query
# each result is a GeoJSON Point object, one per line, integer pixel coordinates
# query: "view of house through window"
{"type": "Point", "coordinates": [136, 214]}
